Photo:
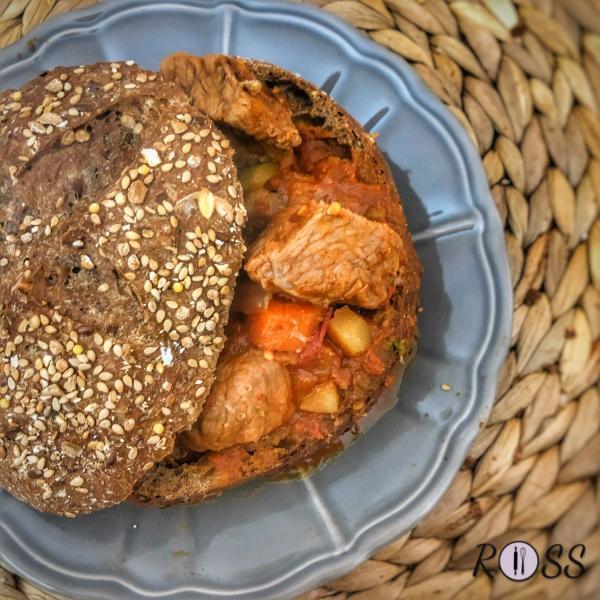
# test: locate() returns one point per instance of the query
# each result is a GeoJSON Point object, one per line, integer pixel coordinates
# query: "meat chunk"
{"type": "Point", "coordinates": [251, 396]}
{"type": "Point", "coordinates": [226, 90]}
{"type": "Point", "coordinates": [325, 255]}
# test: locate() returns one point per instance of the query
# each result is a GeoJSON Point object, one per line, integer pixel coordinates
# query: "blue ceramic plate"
{"type": "Point", "coordinates": [274, 540]}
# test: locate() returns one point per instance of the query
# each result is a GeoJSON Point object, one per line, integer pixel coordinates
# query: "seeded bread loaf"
{"type": "Point", "coordinates": [227, 88]}
{"type": "Point", "coordinates": [120, 242]}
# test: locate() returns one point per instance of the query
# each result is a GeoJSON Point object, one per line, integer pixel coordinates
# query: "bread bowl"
{"type": "Point", "coordinates": [336, 272]}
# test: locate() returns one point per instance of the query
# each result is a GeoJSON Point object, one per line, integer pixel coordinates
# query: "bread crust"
{"type": "Point", "coordinates": [120, 235]}
{"type": "Point", "coordinates": [187, 478]}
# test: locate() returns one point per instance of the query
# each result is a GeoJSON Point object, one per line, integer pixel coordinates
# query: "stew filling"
{"type": "Point", "coordinates": [313, 324]}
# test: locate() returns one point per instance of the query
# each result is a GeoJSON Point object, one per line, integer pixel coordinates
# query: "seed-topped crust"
{"type": "Point", "coordinates": [120, 237]}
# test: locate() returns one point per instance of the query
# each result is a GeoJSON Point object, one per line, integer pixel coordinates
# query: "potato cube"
{"type": "Point", "coordinates": [255, 177]}
{"type": "Point", "coordinates": [349, 331]}
{"type": "Point", "coordinates": [323, 399]}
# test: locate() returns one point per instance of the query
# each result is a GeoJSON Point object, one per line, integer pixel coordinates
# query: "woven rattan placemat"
{"type": "Point", "coordinates": [523, 77]}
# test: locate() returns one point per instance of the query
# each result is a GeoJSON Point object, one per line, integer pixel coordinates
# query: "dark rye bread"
{"type": "Point", "coordinates": [187, 477]}
{"type": "Point", "coordinates": [120, 242]}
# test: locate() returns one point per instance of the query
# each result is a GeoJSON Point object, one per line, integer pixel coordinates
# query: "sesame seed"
{"type": "Point", "coordinates": [77, 481]}
{"type": "Point", "coordinates": [178, 126]}
{"type": "Point", "coordinates": [445, 387]}
{"type": "Point", "coordinates": [86, 262]}
{"type": "Point", "coordinates": [128, 121]}
{"type": "Point", "coordinates": [118, 429]}
{"type": "Point", "coordinates": [186, 176]}
{"type": "Point", "coordinates": [152, 157]}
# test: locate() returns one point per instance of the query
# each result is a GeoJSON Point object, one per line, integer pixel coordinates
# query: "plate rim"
{"type": "Point", "coordinates": [489, 358]}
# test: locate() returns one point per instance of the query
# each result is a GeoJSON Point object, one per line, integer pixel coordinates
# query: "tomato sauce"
{"type": "Point", "coordinates": [319, 169]}
{"type": "Point", "coordinates": [322, 172]}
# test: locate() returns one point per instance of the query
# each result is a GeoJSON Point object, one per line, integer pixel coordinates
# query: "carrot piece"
{"type": "Point", "coordinates": [283, 326]}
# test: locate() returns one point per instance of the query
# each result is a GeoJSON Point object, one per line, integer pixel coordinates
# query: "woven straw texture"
{"type": "Point", "coordinates": [523, 78]}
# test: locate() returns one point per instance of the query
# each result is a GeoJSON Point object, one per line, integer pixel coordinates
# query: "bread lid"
{"type": "Point", "coordinates": [121, 238]}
